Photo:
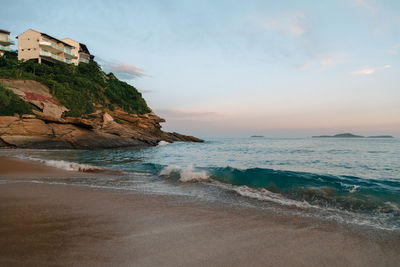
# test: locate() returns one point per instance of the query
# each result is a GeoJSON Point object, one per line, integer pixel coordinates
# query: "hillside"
{"type": "Point", "coordinates": [65, 106]}
{"type": "Point", "coordinates": [79, 88]}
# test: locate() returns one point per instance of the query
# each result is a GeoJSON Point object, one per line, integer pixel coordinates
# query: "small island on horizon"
{"type": "Point", "coordinates": [350, 135]}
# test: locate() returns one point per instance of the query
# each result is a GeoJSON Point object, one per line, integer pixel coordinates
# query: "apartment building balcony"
{"type": "Point", "coordinates": [50, 55]}
{"type": "Point", "coordinates": [84, 57]}
{"type": "Point", "coordinates": [83, 60]}
{"type": "Point", "coordinates": [69, 54]}
{"type": "Point", "coordinates": [5, 41]}
{"type": "Point", "coordinates": [51, 46]}
{"type": "Point", "coordinates": [5, 48]}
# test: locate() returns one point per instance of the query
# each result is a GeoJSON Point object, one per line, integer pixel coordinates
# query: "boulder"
{"type": "Point", "coordinates": [35, 142]}
{"type": "Point", "coordinates": [125, 116]}
{"type": "Point", "coordinates": [36, 127]}
{"type": "Point", "coordinates": [66, 131]}
{"type": "Point", "coordinates": [84, 123]}
{"type": "Point", "coordinates": [27, 127]}
{"type": "Point", "coordinates": [107, 119]}
{"type": "Point", "coordinates": [185, 138]}
{"type": "Point", "coordinates": [48, 118]}
{"type": "Point", "coordinates": [28, 116]}
{"type": "Point", "coordinates": [115, 128]}
{"type": "Point", "coordinates": [88, 139]}
{"type": "Point", "coordinates": [105, 140]}
{"type": "Point", "coordinates": [5, 121]}
{"type": "Point", "coordinates": [54, 110]}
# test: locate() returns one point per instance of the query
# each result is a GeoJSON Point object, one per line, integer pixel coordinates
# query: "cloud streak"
{"type": "Point", "coordinates": [123, 70]}
{"type": "Point", "coordinates": [324, 61]}
{"type": "Point", "coordinates": [368, 71]}
{"type": "Point", "coordinates": [394, 50]}
{"type": "Point", "coordinates": [186, 114]}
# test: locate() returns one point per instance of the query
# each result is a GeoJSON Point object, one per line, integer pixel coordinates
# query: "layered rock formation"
{"type": "Point", "coordinates": [36, 94]}
{"type": "Point", "coordinates": [101, 129]}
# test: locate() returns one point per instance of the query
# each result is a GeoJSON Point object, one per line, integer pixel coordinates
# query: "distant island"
{"type": "Point", "coordinates": [350, 135]}
{"type": "Point", "coordinates": [342, 135]}
{"type": "Point", "coordinates": [259, 136]}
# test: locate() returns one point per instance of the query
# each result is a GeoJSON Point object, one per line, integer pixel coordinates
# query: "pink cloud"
{"type": "Point", "coordinates": [123, 70]}
{"type": "Point", "coordinates": [369, 71]}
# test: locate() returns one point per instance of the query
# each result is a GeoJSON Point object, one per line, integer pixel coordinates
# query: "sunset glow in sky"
{"type": "Point", "coordinates": [236, 68]}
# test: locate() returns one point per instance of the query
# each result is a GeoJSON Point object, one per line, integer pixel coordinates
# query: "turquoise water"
{"type": "Point", "coordinates": [349, 180]}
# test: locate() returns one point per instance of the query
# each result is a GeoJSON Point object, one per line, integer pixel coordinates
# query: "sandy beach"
{"type": "Point", "coordinates": [59, 225]}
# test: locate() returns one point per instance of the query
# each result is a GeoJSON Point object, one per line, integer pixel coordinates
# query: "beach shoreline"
{"type": "Point", "coordinates": [54, 224]}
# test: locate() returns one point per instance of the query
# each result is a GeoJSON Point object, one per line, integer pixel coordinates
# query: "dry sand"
{"type": "Point", "coordinates": [57, 225]}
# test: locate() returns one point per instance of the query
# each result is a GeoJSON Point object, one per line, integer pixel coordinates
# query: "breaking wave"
{"type": "Point", "coordinates": [344, 192]}
{"type": "Point", "coordinates": [188, 174]}
{"type": "Point", "coordinates": [163, 143]}
{"type": "Point", "coordinates": [68, 166]}
{"type": "Point", "coordinates": [379, 198]}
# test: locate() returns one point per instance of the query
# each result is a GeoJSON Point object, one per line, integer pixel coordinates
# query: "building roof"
{"type": "Point", "coordinates": [49, 36]}
{"type": "Point", "coordinates": [83, 48]}
{"type": "Point", "coordinates": [70, 41]}
{"type": "Point", "coordinates": [4, 31]}
{"type": "Point", "coordinates": [45, 34]}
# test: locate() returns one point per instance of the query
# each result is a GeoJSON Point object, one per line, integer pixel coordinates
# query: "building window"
{"type": "Point", "coordinates": [22, 49]}
{"type": "Point", "coordinates": [29, 49]}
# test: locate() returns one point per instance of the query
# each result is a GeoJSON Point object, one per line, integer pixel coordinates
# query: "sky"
{"type": "Point", "coordinates": [238, 68]}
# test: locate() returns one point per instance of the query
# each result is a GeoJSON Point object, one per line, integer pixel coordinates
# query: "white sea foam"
{"type": "Point", "coordinates": [187, 174]}
{"type": "Point", "coordinates": [354, 189]}
{"type": "Point", "coordinates": [265, 195]}
{"type": "Point", "coordinates": [70, 166]}
{"type": "Point", "coordinates": [66, 165]}
{"type": "Point", "coordinates": [166, 171]}
{"type": "Point", "coordinates": [163, 143]}
{"type": "Point", "coordinates": [393, 206]}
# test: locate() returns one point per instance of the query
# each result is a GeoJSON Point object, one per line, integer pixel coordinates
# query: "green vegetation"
{"type": "Point", "coordinates": [10, 103]}
{"type": "Point", "coordinates": [79, 88]}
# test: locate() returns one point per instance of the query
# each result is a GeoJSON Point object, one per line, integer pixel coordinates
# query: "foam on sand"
{"type": "Point", "coordinates": [66, 165]}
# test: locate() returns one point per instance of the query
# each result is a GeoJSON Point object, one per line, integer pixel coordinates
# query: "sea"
{"type": "Point", "coordinates": [352, 181]}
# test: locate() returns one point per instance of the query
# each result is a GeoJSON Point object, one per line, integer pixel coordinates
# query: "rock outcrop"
{"type": "Point", "coordinates": [101, 129]}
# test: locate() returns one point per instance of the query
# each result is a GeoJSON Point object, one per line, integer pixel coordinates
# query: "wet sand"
{"type": "Point", "coordinates": [57, 225]}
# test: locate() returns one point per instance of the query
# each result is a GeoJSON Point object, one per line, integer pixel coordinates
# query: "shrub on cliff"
{"type": "Point", "coordinates": [79, 88]}
{"type": "Point", "coordinates": [10, 103]}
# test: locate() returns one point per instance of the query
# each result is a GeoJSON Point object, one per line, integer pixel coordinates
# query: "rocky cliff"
{"type": "Point", "coordinates": [104, 128]}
